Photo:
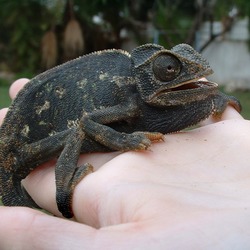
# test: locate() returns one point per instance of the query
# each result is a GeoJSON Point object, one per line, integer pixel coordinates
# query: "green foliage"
{"type": "Point", "coordinates": [173, 19]}
{"type": "Point", "coordinates": [4, 96]}
{"type": "Point", "coordinates": [223, 8]}
{"type": "Point", "coordinates": [23, 24]}
{"type": "Point", "coordinates": [244, 97]}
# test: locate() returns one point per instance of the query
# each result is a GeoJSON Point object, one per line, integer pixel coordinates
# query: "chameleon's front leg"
{"type": "Point", "coordinates": [117, 140]}
{"type": "Point", "coordinates": [93, 124]}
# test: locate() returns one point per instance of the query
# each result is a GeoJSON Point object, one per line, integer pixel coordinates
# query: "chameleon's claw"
{"type": "Point", "coordinates": [154, 136]}
{"type": "Point", "coordinates": [147, 138]}
{"type": "Point", "coordinates": [143, 146]}
{"type": "Point", "coordinates": [138, 141]}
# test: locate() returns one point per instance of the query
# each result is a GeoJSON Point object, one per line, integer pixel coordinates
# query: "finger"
{"type": "Point", "coordinates": [231, 113]}
{"type": "Point", "coordinates": [3, 112]}
{"type": "Point", "coordinates": [16, 86]}
{"type": "Point", "coordinates": [23, 228]}
{"type": "Point", "coordinates": [14, 89]}
{"type": "Point", "coordinates": [40, 184]}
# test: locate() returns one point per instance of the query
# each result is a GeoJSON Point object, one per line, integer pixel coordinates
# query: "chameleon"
{"type": "Point", "coordinates": [108, 100]}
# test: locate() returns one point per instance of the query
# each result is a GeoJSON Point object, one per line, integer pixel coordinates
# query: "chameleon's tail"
{"type": "Point", "coordinates": [12, 193]}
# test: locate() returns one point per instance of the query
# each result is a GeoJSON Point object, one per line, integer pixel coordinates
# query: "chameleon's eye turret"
{"type": "Point", "coordinates": [166, 67]}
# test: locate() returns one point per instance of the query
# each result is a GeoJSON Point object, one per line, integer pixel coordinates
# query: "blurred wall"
{"type": "Point", "coordinates": [229, 55]}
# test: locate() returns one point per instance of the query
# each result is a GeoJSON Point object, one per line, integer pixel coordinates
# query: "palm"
{"type": "Point", "coordinates": [190, 168]}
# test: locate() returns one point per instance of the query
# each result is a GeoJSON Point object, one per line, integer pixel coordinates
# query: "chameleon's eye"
{"type": "Point", "coordinates": [166, 67]}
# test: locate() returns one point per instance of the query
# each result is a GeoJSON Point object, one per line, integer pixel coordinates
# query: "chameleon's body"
{"type": "Point", "coordinates": [100, 102]}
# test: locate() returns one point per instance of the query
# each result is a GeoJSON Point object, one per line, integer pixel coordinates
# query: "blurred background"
{"type": "Point", "coordinates": [36, 35]}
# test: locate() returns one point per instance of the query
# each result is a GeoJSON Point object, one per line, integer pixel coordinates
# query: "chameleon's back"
{"type": "Point", "coordinates": [56, 99]}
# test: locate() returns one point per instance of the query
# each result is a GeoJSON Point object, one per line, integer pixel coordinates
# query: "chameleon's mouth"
{"type": "Point", "coordinates": [190, 85]}
{"type": "Point", "coordinates": [184, 93]}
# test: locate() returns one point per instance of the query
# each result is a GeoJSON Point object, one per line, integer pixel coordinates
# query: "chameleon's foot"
{"type": "Point", "coordinates": [222, 101]}
{"type": "Point", "coordinates": [142, 140]}
{"type": "Point", "coordinates": [134, 141]}
{"type": "Point", "coordinates": [64, 195]}
{"type": "Point", "coordinates": [235, 103]}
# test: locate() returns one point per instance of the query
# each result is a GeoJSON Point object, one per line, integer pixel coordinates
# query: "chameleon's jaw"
{"type": "Point", "coordinates": [190, 85]}
{"type": "Point", "coordinates": [190, 91]}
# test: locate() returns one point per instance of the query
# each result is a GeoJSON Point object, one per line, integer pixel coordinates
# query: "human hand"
{"type": "Point", "coordinates": [191, 191]}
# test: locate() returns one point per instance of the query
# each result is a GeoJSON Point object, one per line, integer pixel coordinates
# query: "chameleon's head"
{"type": "Point", "coordinates": [171, 77]}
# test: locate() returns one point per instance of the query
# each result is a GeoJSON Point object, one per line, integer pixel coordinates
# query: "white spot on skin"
{"type": "Point", "coordinates": [73, 123]}
{"type": "Point", "coordinates": [119, 81]}
{"type": "Point", "coordinates": [48, 87]}
{"type": "Point", "coordinates": [53, 132]}
{"type": "Point", "coordinates": [25, 131]}
{"type": "Point", "coordinates": [60, 92]}
{"type": "Point", "coordinates": [103, 76]}
{"type": "Point", "coordinates": [123, 80]}
{"type": "Point", "coordinates": [81, 84]}
{"type": "Point", "coordinates": [42, 123]}
{"type": "Point", "coordinates": [45, 106]}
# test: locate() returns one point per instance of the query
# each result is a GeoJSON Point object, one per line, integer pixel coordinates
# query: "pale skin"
{"type": "Point", "coordinates": [191, 191]}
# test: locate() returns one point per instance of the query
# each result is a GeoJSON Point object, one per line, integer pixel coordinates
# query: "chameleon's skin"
{"type": "Point", "coordinates": [100, 102]}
